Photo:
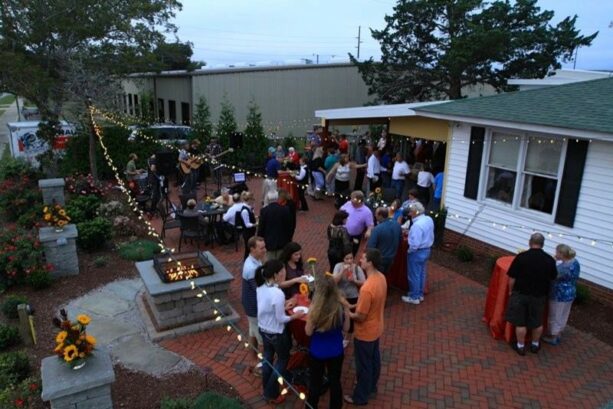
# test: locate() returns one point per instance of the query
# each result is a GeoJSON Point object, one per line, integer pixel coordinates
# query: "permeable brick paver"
{"type": "Point", "coordinates": [435, 355]}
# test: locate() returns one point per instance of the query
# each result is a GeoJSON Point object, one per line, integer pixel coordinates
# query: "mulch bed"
{"type": "Point", "coordinates": [591, 316]}
{"type": "Point", "coordinates": [149, 390]}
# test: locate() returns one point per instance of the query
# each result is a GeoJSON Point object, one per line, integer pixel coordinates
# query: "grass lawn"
{"type": "Point", "coordinates": [7, 99]}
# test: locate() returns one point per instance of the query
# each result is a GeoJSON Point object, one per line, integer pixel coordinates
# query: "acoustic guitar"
{"type": "Point", "coordinates": [194, 162]}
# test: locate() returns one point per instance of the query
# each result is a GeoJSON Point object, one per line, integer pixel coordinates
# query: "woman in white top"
{"type": "Point", "coordinates": [341, 171]}
{"type": "Point", "coordinates": [424, 182]}
{"type": "Point", "coordinates": [271, 322]}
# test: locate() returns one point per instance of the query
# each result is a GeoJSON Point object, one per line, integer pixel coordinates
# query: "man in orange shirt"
{"type": "Point", "coordinates": [368, 319]}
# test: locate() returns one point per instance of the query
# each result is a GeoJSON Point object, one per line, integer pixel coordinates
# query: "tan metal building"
{"type": "Point", "coordinates": [286, 95]}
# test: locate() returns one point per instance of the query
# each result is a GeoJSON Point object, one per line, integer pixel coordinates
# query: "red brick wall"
{"type": "Point", "coordinates": [597, 292]}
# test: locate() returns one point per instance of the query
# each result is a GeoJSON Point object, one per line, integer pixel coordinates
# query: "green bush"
{"type": "Point", "coordinates": [9, 306]}
{"type": "Point", "coordinates": [101, 261]}
{"type": "Point", "coordinates": [212, 400]}
{"type": "Point", "coordinates": [39, 279]}
{"type": "Point", "coordinates": [31, 217]}
{"type": "Point", "coordinates": [94, 234]}
{"type": "Point", "coordinates": [14, 368]}
{"type": "Point", "coordinates": [464, 254]}
{"type": "Point", "coordinates": [17, 196]}
{"type": "Point", "coordinates": [180, 403]}
{"type": "Point", "coordinates": [83, 208]}
{"type": "Point", "coordinates": [9, 336]}
{"type": "Point", "coordinates": [76, 159]}
{"type": "Point", "coordinates": [25, 394]}
{"type": "Point", "coordinates": [139, 250]}
{"type": "Point", "coordinates": [21, 255]}
{"type": "Point", "coordinates": [583, 294]}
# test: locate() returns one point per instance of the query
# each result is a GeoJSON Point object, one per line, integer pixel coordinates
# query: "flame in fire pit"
{"type": "Point", "coordinates": [182, 273]}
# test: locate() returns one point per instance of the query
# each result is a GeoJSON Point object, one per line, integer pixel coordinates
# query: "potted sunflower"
{"type": "Point", "coordinates": [55, 216]}
{"type": "Point", "coordinates": [73, 344]}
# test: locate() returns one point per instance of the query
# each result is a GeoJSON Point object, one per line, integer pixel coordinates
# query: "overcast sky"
{"type": "Point", "coordinates": [247, 31]}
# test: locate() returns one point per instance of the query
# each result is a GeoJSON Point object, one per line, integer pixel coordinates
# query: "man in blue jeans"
{"type": "Point", "coordinates": [421, 238]}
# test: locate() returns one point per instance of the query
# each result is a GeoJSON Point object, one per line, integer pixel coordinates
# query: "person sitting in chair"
{"type": "Point", "coordinates": [191, 211]}
{"type": "Point", "coordinates": [225, 198]}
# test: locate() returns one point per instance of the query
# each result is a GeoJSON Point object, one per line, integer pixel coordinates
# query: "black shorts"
{"type": "Point", "coordinates": [526, 310]}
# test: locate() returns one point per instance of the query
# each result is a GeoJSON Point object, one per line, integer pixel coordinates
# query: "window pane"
{"type": "Point", "coordinates": [543, 156]}
{"type": "Point", "coordinates": [501, 184]}
{"type": "Point", "coordinates": [539, 193]}
{"type": "Point", "coordinates": [504, 151]}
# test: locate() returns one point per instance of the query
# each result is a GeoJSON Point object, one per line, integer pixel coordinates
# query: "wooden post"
{"type": "Point", "coordinates": [24, 324]}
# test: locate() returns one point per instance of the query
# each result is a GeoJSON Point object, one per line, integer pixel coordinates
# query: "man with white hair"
{"type": "Point", "coordinates": [421, 238]}
{"type": "Point", "coordinates": [274, 225]}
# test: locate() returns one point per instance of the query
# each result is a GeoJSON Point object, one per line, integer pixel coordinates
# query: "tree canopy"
{"type": "Point", "coordinates": [431, 49]}
{"type": "Point", "coordinates": [55, 50]}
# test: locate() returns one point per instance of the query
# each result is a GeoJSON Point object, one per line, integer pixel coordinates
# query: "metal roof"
{"type": "Point", "coordinates": [374, 111]}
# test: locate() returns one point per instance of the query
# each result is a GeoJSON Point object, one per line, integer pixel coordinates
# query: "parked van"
{"type": "Point", "coordinates": [174, 134]}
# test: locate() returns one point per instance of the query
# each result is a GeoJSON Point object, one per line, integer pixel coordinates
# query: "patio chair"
{"type": "Point", "coordinates": [191, 229]}
{"type": "Point", "coordinates": [168, 223]}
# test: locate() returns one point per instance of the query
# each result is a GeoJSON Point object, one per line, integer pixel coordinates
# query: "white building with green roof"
{"type": "Point", "coordinates": [536, 160]}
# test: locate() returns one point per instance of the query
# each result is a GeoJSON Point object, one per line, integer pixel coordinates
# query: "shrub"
{"type": "Point", "coordinates": [85, 185]}
{"type": "Point", "coordinates": [111, 209]}
{"type": "Point", "coordinates": [94, 234]}
{"type": "Point", "coordinates": [9, 306]}
{"type": "Point", "coordinates": [100, 261]}
{"type": "Point", "coordinates": [139, 250]}
{"type": "Point", "coordinates": [464, 254]}
{"type": "Point", "coordinates": [39, 279]}
{"type": "Point", "coordinates": [124, 226]}
{"type": "Point", "coordinates": [20, 255]}
{"type": "Point", "coordinates": [83, 208]}
{"type": "Point", "coordinates": [25, 394]}
{"type": "Point", "coordinates": [17, 196]}
{"type": "Point", "coordinates": [15, 168]}
{"type": "Point", "coordinates": [583, 294]}
{"type": "Point", "coordinates": [14, 368]}
{"type": "Point", "coordinates": [180, 403]}
{"type": "Point", "coordinates": [31, 217]}
{"type": "Point", "coordinates": [9, 336]}
{"type": "Point", "coordinates": [212, 400]}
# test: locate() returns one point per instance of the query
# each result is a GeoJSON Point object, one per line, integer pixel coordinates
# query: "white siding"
{"type": "Point", "coordinates": [594, 217]}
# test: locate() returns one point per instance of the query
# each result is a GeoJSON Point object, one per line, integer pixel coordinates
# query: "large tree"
{"type": "Point", "coordinates": [431, 49]}
{"type": "Point", "coordinates": [54, 51]}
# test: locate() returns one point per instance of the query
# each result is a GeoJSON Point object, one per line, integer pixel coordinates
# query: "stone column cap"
{"type": "Point", "coordinates": [59, 380]}
{"type": "Point", "coordinates": [49, 234]}
{"type": "Point", "coordinates": [47, 183]}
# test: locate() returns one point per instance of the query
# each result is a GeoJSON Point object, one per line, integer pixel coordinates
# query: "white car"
{"type": "Point", "coordinates": [174, 134]}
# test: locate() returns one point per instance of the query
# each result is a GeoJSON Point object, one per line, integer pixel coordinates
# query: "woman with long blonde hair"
{"type": "Point", "coordinates": [325, 324]}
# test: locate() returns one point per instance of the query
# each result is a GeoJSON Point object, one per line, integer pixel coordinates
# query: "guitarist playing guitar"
{"type": "Point", "coordinates": [190, 162]}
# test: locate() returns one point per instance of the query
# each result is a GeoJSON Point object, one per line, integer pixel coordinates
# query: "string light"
{"type": "Point", "coordinates": [202, 292]}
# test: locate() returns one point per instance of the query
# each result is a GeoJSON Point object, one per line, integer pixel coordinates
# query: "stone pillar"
{"type": "Point", "coordinates": [53, 191]}
{"type": "Point", "coordinates": [85, 388]}
{"type": "Point", "coordinates": [61, 249]}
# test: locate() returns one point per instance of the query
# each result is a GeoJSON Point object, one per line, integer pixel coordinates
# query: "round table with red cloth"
{"type": "Point", "coordinates": [497, 299]}
{"type": "Point", "coordinates": [297, 327]}
{"type": "Point", "coordinates": [397, 276]}
{"type": "Point", "coordinates": [286, 181]}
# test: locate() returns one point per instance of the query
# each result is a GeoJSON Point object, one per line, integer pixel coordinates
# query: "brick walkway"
{"type": "Point", "coordinates": [438, 354]}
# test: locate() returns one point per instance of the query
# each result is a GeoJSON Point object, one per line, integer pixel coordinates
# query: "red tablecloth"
{"type": "Point", "coordinates": [287, 182]}
{"type": "Point", "coordinates": [397, 276]}
{"type": "Point", "coordinates": [497, 299]}
{"type": "Point", "coordinates": [297, 327]}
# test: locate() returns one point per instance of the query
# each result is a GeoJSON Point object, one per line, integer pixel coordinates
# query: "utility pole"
{"type": "Point", "coordinates": [359, 40]}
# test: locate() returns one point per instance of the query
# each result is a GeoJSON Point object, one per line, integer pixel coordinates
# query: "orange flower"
{"type": "Point", "coordinates": [83, 319]}
{"type": "Point", "coordinates": [304, 289]}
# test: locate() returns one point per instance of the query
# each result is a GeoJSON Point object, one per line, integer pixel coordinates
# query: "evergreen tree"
{"type": "Point", "coordinates": [201, 124]}
{"type": "Point", "coordinates": [431, 49]}
{"type": "Point", "coordinates": [255, 138]}
{"type": "Point", "coordinates": [226, 126]}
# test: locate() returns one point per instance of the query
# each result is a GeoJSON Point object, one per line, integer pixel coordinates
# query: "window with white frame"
{"type": "Point", "coordinates": [524, 171]}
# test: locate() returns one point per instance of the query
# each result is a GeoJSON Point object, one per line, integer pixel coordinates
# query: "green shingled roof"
{"type": "Point", "coordinates": [586, 105]}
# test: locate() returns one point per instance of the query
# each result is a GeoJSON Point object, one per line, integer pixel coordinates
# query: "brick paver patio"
{"type": "Point", "coordinates": [435, 355]}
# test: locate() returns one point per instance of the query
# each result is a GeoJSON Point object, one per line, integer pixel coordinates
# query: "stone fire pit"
{"type": "Point", "coordinates": [172, 309]}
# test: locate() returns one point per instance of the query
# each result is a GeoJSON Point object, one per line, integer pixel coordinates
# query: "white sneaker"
{"type": "Point", "coordinates": [259, 365]}
{"type": "Point", "coordinates": [345, 343]}
{"type": "Point", "coordinates": [421, 299]}
{"type": "Point", "coordinates": [410, 300]}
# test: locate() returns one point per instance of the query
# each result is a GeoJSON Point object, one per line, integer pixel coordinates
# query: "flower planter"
{"type": "Point", "coordinates": [87, 388]}
{"type": "Point", "coordinates": [61, 249]}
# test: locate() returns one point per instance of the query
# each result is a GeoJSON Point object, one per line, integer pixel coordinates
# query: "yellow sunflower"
{"type": "Point", "coordinates": [90, 340]}
{"type": "Point", "coordinates": [59, 348]}
{"type": "Point", "coordinates": [311, 260]}
{"type": "Point", "coordinates": [47, 217]}
{"type": "Point", "coordinates": [83, 319]}
{"type": "Point", "coordinates": [378, 190]}
{"type": "Point", "coordinates": [61, 336]}
{"type": "Point", "coordinates": [45, 209]}
{"type": "Point", "coordinates": [70, 353]}
{"type": "Point", "coordinates": [304, 289]}
{"type": "Point", "coordinates": [62, 212]}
